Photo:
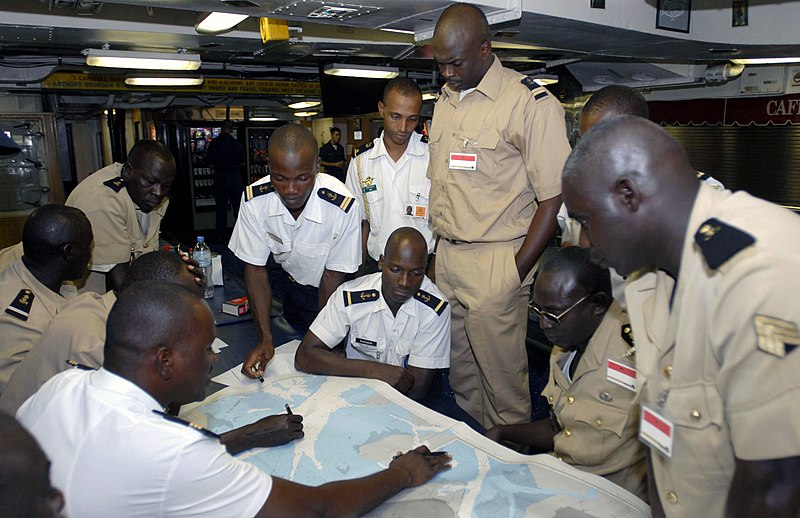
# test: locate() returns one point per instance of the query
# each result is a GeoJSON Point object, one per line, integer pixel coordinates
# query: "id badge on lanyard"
{"type": "Point", "coordinates": [462, 160]}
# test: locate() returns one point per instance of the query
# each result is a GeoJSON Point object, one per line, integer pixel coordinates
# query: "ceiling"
{"type": "Point", "coordinates": [38, 37]}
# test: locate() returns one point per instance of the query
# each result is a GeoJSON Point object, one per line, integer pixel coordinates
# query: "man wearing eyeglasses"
{"type": "Point", "coordinates": [591, 389]}
{"type": "Point", "coordinates": [125, 204]}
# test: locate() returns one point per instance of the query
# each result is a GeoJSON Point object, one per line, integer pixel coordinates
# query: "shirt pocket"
{"type": "Point", "coordinates": [368, 347]}
{"type": "Point", "coordinates": [376, 201]}
{"type": "Point", "coordinates": [601, 427]}
{"type": "Point", "coordinates": [312, 258]}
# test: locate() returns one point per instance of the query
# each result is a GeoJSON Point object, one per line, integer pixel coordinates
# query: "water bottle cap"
{"type": "Point", "coordinates": [200, 239]}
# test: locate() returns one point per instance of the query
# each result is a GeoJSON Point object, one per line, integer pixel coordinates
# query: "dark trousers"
{"type": "Point", "coordinates": [228, 189]}
{"type": "Point", "coordinates": [300, 305]}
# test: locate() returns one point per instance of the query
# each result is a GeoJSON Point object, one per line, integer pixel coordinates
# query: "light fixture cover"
{"type": "Point", "coordinates": [364, 71]}
{"type": "Point", "coordinates": [302, 105]}
{"type": "Point", "coordinates": [217, 22]}
{"type": "Point", "coordinates": [141, 60]}
{"type": "Point", "coordinates": [140, 80]}
{"type": "Point", "coordinates": [305, 114]}
{"type": "Point", "coordinates": [765, 61]}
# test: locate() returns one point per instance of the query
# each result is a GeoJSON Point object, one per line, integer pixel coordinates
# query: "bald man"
{"type": "Point", "coordinates": [78, 332]}
{"type": "Point", "coordinates": [498, 142]}
{"type": "Point", "coordinates": [114, 450]}
{"type": "Point", "coordinates": [309, 223]}
{"type": "Point", "coordinates": [25, 488]}
{"type": "Point", "coordinates": [125, 203]}
{"type": "Point", "coordinates": [714, 314]}
{"type": "Point", "coordinates": [57, 245]}
{"type": "Point", "coordinates": [397, 323]}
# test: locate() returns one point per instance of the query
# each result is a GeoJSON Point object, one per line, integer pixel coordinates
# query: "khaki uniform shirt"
{"type": "Point", "coordinates": [518, 132]}
{"type": "Point", "coordinates": [722, 364]}
{"type": "Point", "coordinates": [599, 423]}
{"type": "Point", "coordinates": [77, 333]}
{"type": "Point", "coordinates": [9, 255]}
{"type": "Point", "coordinates": [118, 234]}
{"type": "Point", "coordinates": [29, 308]}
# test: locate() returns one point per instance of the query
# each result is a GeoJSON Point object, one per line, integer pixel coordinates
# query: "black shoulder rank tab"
{"type": "Point", "coordinates": [184, 422]}
{"type": "Point", "coordinates": [340, 200]}
{"type": "Point", "coordinates": [116, 184]}
{"type": "Point", "coordinates": [703, 176]}
{"type": "Point", "coordinates": [530, 83]}
{"type": "Point", "coordinates": [424, 139]}
{"type": "Point", "coordinates": [540, 96]}
{"type": "Point", "coordinates": [775, 336]}
{"type": "Point", "coordinates": [363, 148]}
{"type": "Point", "coordinates": [21, 305]}
{"type": "Point", "coordinates": [431, 301]}
{"type": "Point", "coordinates": [627, 334]}
{"type": "Point", "coordinates": [80, 365]}
{"type": "Point", "coordinates": [357, 297]}
{"type": "Point", "coordinates": [252, 191]}
{"type": "Point", "coordinates": [719, 242]}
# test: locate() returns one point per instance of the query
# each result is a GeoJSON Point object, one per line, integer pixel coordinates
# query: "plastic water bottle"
{"type": "Point", "coordinates": [202, 254]}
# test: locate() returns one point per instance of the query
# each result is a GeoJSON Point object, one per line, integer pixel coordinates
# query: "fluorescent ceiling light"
{"type": "Point", "coordinates": [305, 114]}
{"type": "Point", "coordinates": [365, 71]}
{"type": "Point", "coordinates": [217, 22]}
{"type": "Point", "coordinates": [507, 45]}
{"type": "Point", "coordinates": [545, 79]}
{"type": "Point", "coordinates": [263, 119]}
{"type": "Point", "coordinates": [141, 60]}
{"type": "Point", "coordinates": [401, 31]}
{"type": "Point", "coordinates": [765, 61]}
{"type": "Point", "coordinates": [430, 96]}
{"type": "Point", "coordinates": [302, 105]}
{"type": "Point", "coordinates": [163, 81]}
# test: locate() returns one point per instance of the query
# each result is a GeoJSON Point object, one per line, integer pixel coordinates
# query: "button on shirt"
{"type": "Point", "coordinates": [323, 237]}
{"type": "Point", "coordinates": [417, 336]}
{"type": "Point", "coordinates": [520, 140]}
{"type": "Point", "coordinates": [112, 456]}
{"type": "Point", "coordinates": [390, 187]}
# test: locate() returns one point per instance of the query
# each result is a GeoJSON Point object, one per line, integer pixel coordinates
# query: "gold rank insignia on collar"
{"type": "Point", "coordinates": [776, 336]}
{"type": "Point", "coordinates": [627, 334]}
{"type": "Point", "coordinates": [253, 191]}
{"type": "Point", "coordinates": [20, 307]}
{"type": "Point", "coordinates": [116, 184]}
{"type": "Point", "coordinates": [357, 297]}
{"type": "Point", "coordinates": [184, 422]}
{"type": "Point", "coordinates": [341, 201]}
{"type": "Point", "coordinates": [433, 302]}
{"type": "Point", "coordinates": [80, 366]}
{"type": "Point", "coordinates": [719, 242]}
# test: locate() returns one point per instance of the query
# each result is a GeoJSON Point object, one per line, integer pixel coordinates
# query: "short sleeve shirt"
{"type": "Point", "coordinates": [327, 235]}
{"type": "Point", "coordinates": [111, 453]}
{"type": "Point", "coordinates": [396, 192]}
{"type": "Point", "coordinates": [418, 336]}
{"type": "Point", "coordinates": [115, 219]}
{"type": "Point", "coordinates": [517, 134]}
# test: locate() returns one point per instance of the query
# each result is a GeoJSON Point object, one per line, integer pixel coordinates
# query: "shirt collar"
{"type": "Point", "coordinates": [415, 147]}
{"type": "Point", "coordinates": [311, 212]}
{"type": "Point", "coordinates": [489, 85]}
{"type": "Point", "coordinates": [107, 380]}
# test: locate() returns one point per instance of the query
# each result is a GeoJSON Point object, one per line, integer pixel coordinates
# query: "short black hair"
{"type": "Point", "coordinates": [160, 265]}
{"type": "Point", "coordinates": [404, 86]}
{"type": "Point", "coordinates": [144, 151]}
{"type": "Point", "coordinates": [576, 261]}
{"type": "Point", "coordinates": [335, 130]}
{"type": "Point", "coordinates": [619, 99]}
{"type": "Point", "coordinates": [293, 138]}
{"type": "Point", "coordinates": [49, 228]}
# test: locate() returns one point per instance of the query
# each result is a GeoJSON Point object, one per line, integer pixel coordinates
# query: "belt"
{"type": "Point", "coordinates": [456, 241]}
{"type": "Point", "coordinates": [291, 279]}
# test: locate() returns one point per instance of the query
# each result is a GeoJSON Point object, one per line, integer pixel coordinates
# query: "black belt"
{"type": "Point", "coordinates": [456, 241]}
{"type": "Point", "coordinates": [291, 279]}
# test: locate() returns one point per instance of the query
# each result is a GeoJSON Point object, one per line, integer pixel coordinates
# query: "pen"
{"type": "Point", "coordinates": [429, 454]}
{"type": "Point", "coordinates": [261, 378]}
{"type": "Point", "coordinates": [288, 410]}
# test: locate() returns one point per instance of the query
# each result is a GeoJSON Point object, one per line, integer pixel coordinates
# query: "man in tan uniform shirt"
{"type": "Point", "coordinates": [595, 424]}
{"type": "Point", "coordinates": [498, 143]}
{"type": "Point", "coordinates": [78, 332]}
{"type": "Point", "coordinates": [715, 316]}
{"type": "Point", "coordinates": [57, 245]}
{"type": "Point", "coordinates": [125, 203]}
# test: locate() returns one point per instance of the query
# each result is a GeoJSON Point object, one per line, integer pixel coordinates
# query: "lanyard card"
{"type": "Point", "coordinates": [655, 431]}
{"type": "Point", "coordinates": [464, 161]}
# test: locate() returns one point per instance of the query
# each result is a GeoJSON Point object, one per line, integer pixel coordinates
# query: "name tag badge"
{"type": "Point", "coordinates": [621, 374]}
{"type": "Point", "coordinates": [368, 185]}
{"type": "Point", "coordinates": [274, 237]}
{"type": "Point", "coordinates": [464, 161]}
{"type": "Point", "coordinates": [655, 431]}
{"type": "Point", "coordinates": [364, 341]}
{"type": "Point", "coordinates": [417, 211]}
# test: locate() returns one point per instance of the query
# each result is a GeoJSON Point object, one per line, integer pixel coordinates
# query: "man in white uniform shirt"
{"type": "Point", "coordinates": [114, 452]}
{"type": "Point", "coordinates": [308, 222]}
{"type": "Point", "coordinates": [398, 323]}
{"type": "Point", "coordinates": [389, 173]}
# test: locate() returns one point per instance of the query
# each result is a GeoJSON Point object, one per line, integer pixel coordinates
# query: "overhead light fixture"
{"type": "Point", "coordinates": [302, 105]}
{"type": "Point", "coordinates": [305, 114]}
{"type": "Point", "coordinates": [364, 71]}
{"type": "Point", "coordinates": [263, 118]}
{"type": "Point", "coordinates": [216, 23]}
{"type": "Point", "coordinates": [507, 45]}
{"type": "Point", "coordinates": [142, 60]}
{"type": "Point", "coordinates": [765, 61]}
{"type": "Point", "coordinates": [399, 31]}
{"type": "Point", "coordinates": [163, 81]}
{"type": "Point", "coordinates": [545, 79]}
{"type": "Point", "coordinates": [430, 96]}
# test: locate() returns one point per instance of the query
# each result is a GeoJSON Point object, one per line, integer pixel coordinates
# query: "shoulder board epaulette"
{"type": "Point", "coordinates": [116, 184]}
{"type": "Point", "coordinates": [252, 191]}
{"type": "Point", "coordinates": [424, 139]}
{"type": "Point", "coordinates": [340, 200]}
{"type": "Point", "coordinates": [530, 83]}
{"type": "Point", "coordinates": [703, 176]}
{"type": "Point", "coordinates": [80, 366]}
{"type": "Point", "coordinates": [184, 422]}
{"type": "Point", "coordinates": [21, 305]}
{"type": "Point", "coordinates": [433, 302]}
{"type": "Point", "coordinates": [541, 95]}
{"type": "Point", "coordinates": [627, 334]}
{"type": "Point", "coordinates": [719, 242]}
{"type": "Point", "coordinates": [357, 297]}
{"type": "Point", "coordinates": [364, 147]}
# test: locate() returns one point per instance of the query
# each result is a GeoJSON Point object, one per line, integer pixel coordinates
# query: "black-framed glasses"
{"type": "Point", "coordinates": [556, 319]}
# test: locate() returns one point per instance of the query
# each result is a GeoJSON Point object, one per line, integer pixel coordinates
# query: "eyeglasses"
{"type": "Point", "coordinates": [556, 319]}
